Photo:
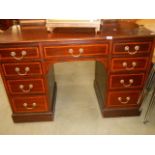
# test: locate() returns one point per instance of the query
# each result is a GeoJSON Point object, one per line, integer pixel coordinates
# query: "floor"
{"type": "Point", "coordinates": [77, 110]}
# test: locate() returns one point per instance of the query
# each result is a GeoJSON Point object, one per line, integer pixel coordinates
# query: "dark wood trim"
{"type": "Point", "coordinates": [120, 112]}
{"type": "Point", "coordinates": [99, 96]}
{"type": "Point", "coordinates": [35, 117]}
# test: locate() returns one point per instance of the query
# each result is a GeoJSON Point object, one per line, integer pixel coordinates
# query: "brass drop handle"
{"type": "Point", "coordinates": [127, 99]}
{"type": "Point", "coordinates": [125, 65]}
{"type": "Point", "coordinates": [127, 85]}
{"type": "Point", "coordinates": [17, 70]}
{"type": "Point", "coordinates": [24, 90]}
{"type": "Point", "coordinates": [25, 105]}
{"type": "Point", "coordinates": [127, 48]}
{"type": "Point", "coordinates": [71, 51]}
{"type": "Point", "coordinates": [23, 53]}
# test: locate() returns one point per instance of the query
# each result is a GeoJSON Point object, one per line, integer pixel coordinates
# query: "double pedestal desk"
{"type": "Point", "coordinates": [27, 56]}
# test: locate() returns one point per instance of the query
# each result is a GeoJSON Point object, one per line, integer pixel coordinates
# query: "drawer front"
{"type": "Point", "coordinates": [126, 81]}
{"type": "Point", "coordinates": [76, 51]}
{"type": "Point", "coordinates": [123, 98]}
{"type": "Point", "coordinates": [129, 64]}
{"type": "Point", "coordinates": [130, 48]}
{"type": "Point", "coordinates": [22, 69]}
{"type": "Point", "coordinates": [30, 104]}
{"type": "Point", "coordinates": [19, 54]}
{"type": "Point", "coordinates": [30, 86]}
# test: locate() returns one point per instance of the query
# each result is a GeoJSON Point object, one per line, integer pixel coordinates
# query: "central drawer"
{"type": "Point", "coordinates": [75, 51]}
{"type": "Point", "coordinates": [30, 104]}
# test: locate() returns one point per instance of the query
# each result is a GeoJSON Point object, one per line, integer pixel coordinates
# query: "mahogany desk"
{"type": "Point", "coordinates": [123, 58]}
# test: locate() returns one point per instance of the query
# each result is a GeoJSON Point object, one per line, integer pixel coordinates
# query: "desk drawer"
{"type": "Point", "coordinates": [126, 81]}
{"type": "Point", "coordinates": [75, 51]}
{"type": "Point", "coordinates": [129, 64]}
{"type": "Point", "coordinates": [131, 48]}
{"type": "Point", "coordinates": [123, 98]}
{"type": "Point", "coordinates": [30, 104]}
{"type": "Point", "coordinates": [19, 54]}
{"type": "Point", "coordinates": [22, 69]}
{"type": "Point", "coordinates": [30, 86]}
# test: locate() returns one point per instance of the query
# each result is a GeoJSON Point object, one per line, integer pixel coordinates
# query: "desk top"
{"type": "Point", "coordinates": [39, 33]}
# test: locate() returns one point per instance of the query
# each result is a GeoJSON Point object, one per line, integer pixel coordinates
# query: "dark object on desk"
{"type": "Point", "coordinates": [5, 23]}
{"type": "Point", "coordinates": [71, 30]}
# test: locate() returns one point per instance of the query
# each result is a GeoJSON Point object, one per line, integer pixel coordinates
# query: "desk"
{"type": "Point", "coordinates": [122, 54]}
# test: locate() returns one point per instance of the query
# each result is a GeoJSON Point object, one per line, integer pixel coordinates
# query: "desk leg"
{"type": "Point", "coordinates": [37, 117]}
{"type": "Point", "coordinates": [50, 95]}
{"type": "Point", "coordinates": [101, 89]}
{"type": "Point", "coordinates": [100, 84]}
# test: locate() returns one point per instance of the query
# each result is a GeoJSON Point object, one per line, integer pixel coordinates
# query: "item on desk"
{"type": "Point", "coordinates": [51, 24]}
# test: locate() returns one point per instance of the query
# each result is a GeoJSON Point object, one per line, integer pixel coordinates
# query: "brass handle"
{"type": "Point", "coordinates": [71, 51]}
{"type": "Point", "coordinates": [125, 65]}
{"type": "Point", "coordinates": [23, 53]}
{"type": "Point", "coordinates": [26, 91]}
{"type": "Point", "coordinates": [17, 70]}
{"type": "Point", "coordinates": [25, 105]}
{"type": "Point", "coordinates": [127, 48]}
{"type": "Point", "coordinates": [127, 85]}
{"type": "Point", "coordinates": [127, 99]}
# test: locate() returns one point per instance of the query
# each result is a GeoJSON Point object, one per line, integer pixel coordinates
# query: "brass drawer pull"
{"type": "Point", "coordinates": [124, 102]}
{"type": "Point", "coordinates": [127, 85]}
{"type": "Point", "coordinates": [17, 70]}
{"type": "Point", "coordinates": [71, 51]}
{"type": "Point", "coordinates": [26, 91]}
{"type": "Point", "coordinates": [127, 48]}
{"type": "Point", "coordinates": [23, 53]}
{"type": "Point", "coordinates": [25, 105]}
{"type": "Point", "coordinates": [125, 65]}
